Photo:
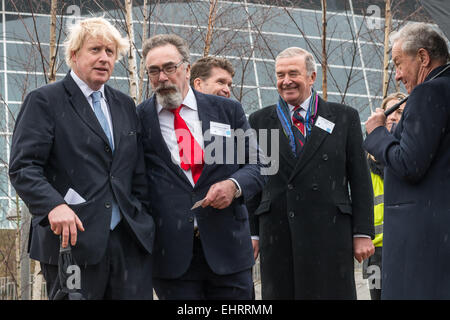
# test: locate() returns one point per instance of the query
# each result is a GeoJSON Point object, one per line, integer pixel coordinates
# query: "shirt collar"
{"type": "Point", "coordinates": [304, 105]}
{"type": "Point", "coordinates": [189, 101]}
{"type": "Point", "coordinates": [87, 91]}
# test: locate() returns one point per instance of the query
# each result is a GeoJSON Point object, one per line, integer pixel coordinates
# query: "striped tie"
{"type": "Point", "coordinates": [299, 124]}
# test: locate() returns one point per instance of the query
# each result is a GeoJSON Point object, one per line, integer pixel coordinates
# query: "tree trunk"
{"type": "Point", "coordinates": [52, 68]}
{"type": "Point", "coordinates": [142, 65]}
{"type": "Point", "coordinates": [324, 50]}
{"type": "Point", "coordinates": [132, 68]}
{"type": "Point", "coordinates": [387, 31]}
{"type": "Point", "coordinates": [211, 20]}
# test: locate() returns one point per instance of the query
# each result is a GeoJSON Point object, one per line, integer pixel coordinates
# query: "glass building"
{"type": "Point", "coordinates": [249, 33]}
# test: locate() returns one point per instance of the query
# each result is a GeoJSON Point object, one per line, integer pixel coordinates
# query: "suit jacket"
{"type": "Point", "coordinates": [59, 144]}
{"type": "Point", "coordinates": [306, 216]}
{"type": "Point", "coordinates": [224, 234]}
{"type": "Point", "coordinates": [416, 248]}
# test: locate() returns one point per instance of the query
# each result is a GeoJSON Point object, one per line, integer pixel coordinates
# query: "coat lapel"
{"type": "Point", "coordinates": [315, 139]}
{"type": "Point", "coordinates": [285, 150]}
{"type": "Point", "coordinates": [157, 140]}
{"type": "Point", "coordinates": [82, 107]}
{"type": "Point", "coordinates": [206, 114]}
{"type": "Point", "coordinates": [116, 115]}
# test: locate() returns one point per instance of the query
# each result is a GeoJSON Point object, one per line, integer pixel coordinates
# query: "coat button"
{"type": "Point", "coordinates": [191, 219]}
{"type": "Point", "coordinates": [291, 214]}
{"type": "Point", "coordinates": [325, 157]}
{"type": "Point", "coordinates": [107, 149]}
{"type": "Point", "coordinates": [315, 187]}
{"type": "Point", "coordinates": [107, 205]}
{"type": "Point", "coordinates": [290, 186]}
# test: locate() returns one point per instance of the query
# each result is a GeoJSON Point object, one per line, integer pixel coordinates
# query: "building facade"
{"type": "Point", "coordinates": [249, 33]}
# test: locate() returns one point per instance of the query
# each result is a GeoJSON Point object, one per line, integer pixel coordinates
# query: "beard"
{"type": "Point", "coordinates": [168, 96]}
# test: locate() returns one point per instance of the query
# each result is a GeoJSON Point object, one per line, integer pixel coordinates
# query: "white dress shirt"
{"type": "Point", "coordinates": [189, 113]}
{"type": "Point", "coordinates": [87, 93]}
{"type": "Point", "coordinates": [304, 108]}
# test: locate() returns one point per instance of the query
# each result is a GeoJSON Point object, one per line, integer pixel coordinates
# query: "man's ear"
{"type": "Point", "coordinates": [424, 57]}
{"type": "Point", "coordinates": [188, 71]}
{"type": "Point", "coordinates": [197, 84]}
{"type": "Point", "coordinates": [73, 56]}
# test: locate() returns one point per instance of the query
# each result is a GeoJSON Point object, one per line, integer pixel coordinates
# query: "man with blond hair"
{"type": "Point", "coordinates": [77, 163]}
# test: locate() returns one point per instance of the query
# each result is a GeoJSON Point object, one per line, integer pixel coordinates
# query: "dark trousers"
{"type": "Point", "coordinates": [201, 283]}
{"type": "Point", "coordinates": [123, 273]}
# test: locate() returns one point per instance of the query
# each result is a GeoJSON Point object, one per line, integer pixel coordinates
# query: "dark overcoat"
{"type": "Point", "coordinates": [416, 244]}
{"type": "Point", "coordinates": [57, 145]}
{"type": "Point", "coordinates": [306, 216]}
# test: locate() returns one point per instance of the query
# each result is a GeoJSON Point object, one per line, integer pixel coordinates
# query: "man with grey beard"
{"type": "Point", "coordinates": [203, 248]}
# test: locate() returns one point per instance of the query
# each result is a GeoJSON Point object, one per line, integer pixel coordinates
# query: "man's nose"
{"type": "Point", "coordinates": [226, 90]}
{"type": "Point", "coordinates": [398, 75]}
{"type": "Point", "coordinates": [162, 77]}
{"type": "Point", "coordinates": [103, 55]}
{"type": "Point", "coordinates": [287, 80]}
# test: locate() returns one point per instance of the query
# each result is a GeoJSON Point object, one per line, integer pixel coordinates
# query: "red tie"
{"type": "Point", "coordinates": [191, 154]}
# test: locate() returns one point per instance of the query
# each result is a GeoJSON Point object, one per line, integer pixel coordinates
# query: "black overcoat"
{"type": "Point", "coordinates": [416, 241]}
{"type": "Point", "coordinates": [306, 216]}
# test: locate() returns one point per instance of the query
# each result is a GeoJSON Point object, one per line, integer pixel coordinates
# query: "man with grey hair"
{"type": "Point", "coordinates": [306, 224]}
{"type": "Point", "coordinates": [416, 250]}
{"type": "Point", "coordinates": [77, 162]}
{"type": "Point", "coordinates": [203, 248]}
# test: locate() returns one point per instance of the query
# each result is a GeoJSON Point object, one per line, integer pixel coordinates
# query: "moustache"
{"type": "Point", "coordinates": [165, 87]}
{"type": "Point", "coordinates": [292, 86]}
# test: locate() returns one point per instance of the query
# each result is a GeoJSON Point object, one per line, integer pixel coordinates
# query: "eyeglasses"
{"type": "Point", "coordinates": [168, 70]}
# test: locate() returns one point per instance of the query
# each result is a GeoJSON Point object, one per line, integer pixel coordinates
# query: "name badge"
{"type": "Point", "coordinates": [325, 124]}
{"type": "Point", "coordinates": [220, 129]}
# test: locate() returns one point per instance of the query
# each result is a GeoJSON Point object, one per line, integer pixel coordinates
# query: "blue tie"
{"type": "Point", "coordinates": [96, 96]}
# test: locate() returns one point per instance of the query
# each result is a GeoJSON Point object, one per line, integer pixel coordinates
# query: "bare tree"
{"type": "Point", "coordinates": [132, 67]}
{"type": "Point", "coordinates": [324, 50]}
{"type": "Point", "coordinates": [211, 20]}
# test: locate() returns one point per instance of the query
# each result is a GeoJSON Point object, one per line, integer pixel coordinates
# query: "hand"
{"type": "Point", "coordinates": [377, 119]}
{"type": "Point", "coordinates": [363, 248]}
{"type": "Point", "coordinates": [220, 195]}
{"type": "Point", "coordinates": [255, 244]}
{"type": "Point", "coordinates": [64, 221]}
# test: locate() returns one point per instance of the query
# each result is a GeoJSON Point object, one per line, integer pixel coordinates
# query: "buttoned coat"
{"type": "Point", "coordinates": [308, 213]}
{"type": "Point", "coordinates": [58, 144]}
{"type": "Point", "coordinates": [416, 245]}
{"type": "Point", "coordinates": [225, 233]}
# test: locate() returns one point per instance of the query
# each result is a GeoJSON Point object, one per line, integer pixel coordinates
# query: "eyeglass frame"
{"type": "Point", "coordinates": [165, 72]}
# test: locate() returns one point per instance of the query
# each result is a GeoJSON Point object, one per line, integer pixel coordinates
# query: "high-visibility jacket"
{"type": "Point", "coordinates": [378, 200]}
